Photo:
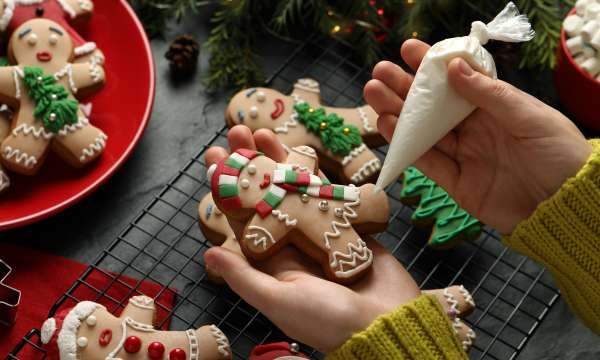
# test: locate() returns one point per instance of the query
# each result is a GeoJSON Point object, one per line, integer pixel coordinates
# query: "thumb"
{"type": "Point", "coordinates": [255, 287]}
{"type": "Point", "coordinates": [496, 97]}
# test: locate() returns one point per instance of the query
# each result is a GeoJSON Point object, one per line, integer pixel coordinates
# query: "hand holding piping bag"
{"type": "Point", "coordinates": [433, 108]}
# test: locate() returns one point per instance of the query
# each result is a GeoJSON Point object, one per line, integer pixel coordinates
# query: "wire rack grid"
{"type": "Point", "coordinates": [164, 244]}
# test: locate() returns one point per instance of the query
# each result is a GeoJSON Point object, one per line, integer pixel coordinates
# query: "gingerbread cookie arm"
{"type": "Point", "coordinates": [262, 235]}
{"type": "Point", "coordinates": [140, 308]}
{"type": "Point", "coordinates": [87, 76]}
{"type": "Point", "coordinates": [305, 158]}
{"type": "Point", "coordinates": [308, 90]}
{"type": "Point", "coordinates": [10, 84]}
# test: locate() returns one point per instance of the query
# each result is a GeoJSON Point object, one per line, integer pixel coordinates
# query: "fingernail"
{"type": "Point", "coordinates": [464, 68]}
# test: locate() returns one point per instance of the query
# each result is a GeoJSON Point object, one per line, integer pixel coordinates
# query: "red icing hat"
{"type": "Point", "coordinates": [59, 333]}
{"type": "Point", "coordinates": [17, 12]}
{"type": "Point", "coordinates": [277, 350]}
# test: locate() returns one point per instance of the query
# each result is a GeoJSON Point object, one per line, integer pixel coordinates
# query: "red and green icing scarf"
{"type": "Point", "coordinates": [224, 184]}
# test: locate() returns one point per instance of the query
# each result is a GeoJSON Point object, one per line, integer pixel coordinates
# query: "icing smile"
{"type": "Point", "coordinates": [279, 109]}
{"type": "Point", "coordinates": [44, 56]}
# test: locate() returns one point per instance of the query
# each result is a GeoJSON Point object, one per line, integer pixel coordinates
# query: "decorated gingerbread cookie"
{"type": "Point", "coordinates": [286, 203]}
{"type": "Point", "coordinates": [215, 227]}
{"type": "Point", "coordinates": [42, 88]}
{"type": "Point", "coordinates": [458, 303]}
{"type": "Point", "coordinates": [13, 13]}
{"type": "Point", "coordinates": [89, 332]}
{"type": "Point", "coordinates": [341, 136]}
{"type": "Point", "coordinates": [435, 208]}
{"type": "Point", "coordinates": [4, 131]}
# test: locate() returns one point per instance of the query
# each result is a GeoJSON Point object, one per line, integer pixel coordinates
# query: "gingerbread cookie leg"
{"type": "Point", "coordinates": [458, 303]}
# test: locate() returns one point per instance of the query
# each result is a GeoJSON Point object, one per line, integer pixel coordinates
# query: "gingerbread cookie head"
{"type": "Point", "coordinates": [89, 332]}
{"type": "Point", "coordinates": [259, 108]}
{"type": "Point", "coordinates": [287, 202]}
{"type": "Point", "coordinates": [42, 43]}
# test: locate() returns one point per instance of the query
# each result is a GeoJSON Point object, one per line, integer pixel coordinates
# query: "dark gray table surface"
{"type": "Point", "coordinates": [176, 132]}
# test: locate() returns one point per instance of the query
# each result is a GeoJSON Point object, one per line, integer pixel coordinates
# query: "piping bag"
{"type": "Point", "coordinates": [432, 107]}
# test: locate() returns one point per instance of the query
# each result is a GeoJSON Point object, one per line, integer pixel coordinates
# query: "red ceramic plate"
{"type": "Point", "coordinates": [121, 109]}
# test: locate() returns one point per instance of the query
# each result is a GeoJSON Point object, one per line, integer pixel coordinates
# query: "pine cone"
{"type": "Point", "coordinates": [183, 55]}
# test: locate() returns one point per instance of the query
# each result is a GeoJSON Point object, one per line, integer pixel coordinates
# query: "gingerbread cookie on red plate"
{"type": "Point", "coordinates": [341, 136]}
{"type": "Point", "coordinates": [285, 203]}
{"type": "Point", "coordinates": [42, 88]}
{"type": "Point", "coordinates": [67, 13]}
{"type": "Point", "coordinates": [89, 332]}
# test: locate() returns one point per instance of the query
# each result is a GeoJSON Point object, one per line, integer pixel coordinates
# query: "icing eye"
{"type": "Point", "coordinates": [254, 112]}
{"type": "Point", "coordinates": [245, 183]}
{"type": "Point", "coordinates": [91, 320]}
{"type": "Point", "coordinates": [32, 39]}
{"type": "Point", "coordinates": [53, 39]}
{"type": "Point", "coordinates": [251, 169]}
{"type": "Point", "coordinates": [260, 96]}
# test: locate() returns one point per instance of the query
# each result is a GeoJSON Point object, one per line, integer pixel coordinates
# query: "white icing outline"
{"type": "Point", "coordinates": [365, 120]}
{"type": "Point", "coordinates": [67, 337]}
{"type": "Point", "coordinates": [94, 70]}
{"type": "Point", "coordinates": [193, 341]}
{"type": "Point", "coordinates": [369, 168]}
{"type": "Point", "coordinates": [20, 156]}
{"type": "Point", "coordinates": [48, 330]}
{"type": "Point", "coordinates": [66, 7]}
{"type": "Point", "coordinates": [80, 124]}
{"type": "Point", "coordinates": [467, 295]}
{"type": "Point", "coordinates": [127, 321]}
{"type": "Point", "coordinates": [221, 339]}
{"type": "Point", "coordinates": [85, 5]}
{"type": "Point", "coordinates": [32, 130]}
{"type": "Point", "coordinates": [451, 300]}
{"type": "Point", "coordinates": [305, 150]}
{"type": "Point", "coordinates": [67, 70]}
{"type": "Point", "coordinates": [142, 302]}
{"type": "Point", "coordinates": [360, 251]}
{"type": "Point", "coordinates": [262, 240]}
{"type": "Point", "coordinates": [353, 154]}
{"type": "Point", "coordinates": [97, 146]}
{"type": "Point", "coordinates": [281, 216]}
{"type": "Point", "coordinates": [307, 84]}
{"type": "Point", "coordinates": [348, 214]}
{"type": "Point", "coordinates": [85, 49]}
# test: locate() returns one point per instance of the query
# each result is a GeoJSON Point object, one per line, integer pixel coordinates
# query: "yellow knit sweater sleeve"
{"type": "Point", "coordinates": [417, 330]}
{"type": "Point", "coordinates": [563, 234]}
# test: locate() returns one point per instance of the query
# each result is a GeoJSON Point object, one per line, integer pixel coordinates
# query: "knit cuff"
{"type": "Point", "coordinates": [417, 330]}
{"type": "Point", "coordinates": [563, 234]}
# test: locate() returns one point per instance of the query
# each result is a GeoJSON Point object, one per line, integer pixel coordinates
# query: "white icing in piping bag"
{"type": "Point", "coordinates": [432, 107]}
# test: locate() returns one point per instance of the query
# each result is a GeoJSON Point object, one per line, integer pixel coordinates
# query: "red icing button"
{"type": "Point", "coordinates": [156, 350]}
{"type": "Point", "coordinates": [177, 354]}
{"type": "Point", "coordinates": [105, 337]}
{"type": "Point", "coordinates": [133, 344]}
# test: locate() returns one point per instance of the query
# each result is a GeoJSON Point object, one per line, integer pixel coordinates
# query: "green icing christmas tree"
{"type": "Point", "coordinates": [451, 221]}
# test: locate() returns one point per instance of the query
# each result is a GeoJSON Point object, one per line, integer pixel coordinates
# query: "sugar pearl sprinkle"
{"type": "Point", "coordinates": [583, 36]}
{"type": "Point", "coordinates": [82, 342]}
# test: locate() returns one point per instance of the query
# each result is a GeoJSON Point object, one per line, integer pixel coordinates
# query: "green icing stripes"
{"type": "Point", "coordinates": [435, 203]}
{"type": "Point", "coordinates": [272, 199]}
{"type": "Point", "coordinates": [233, 163]}
{"type": "Point", "coordinates": [338, 192]}
{"type": "Point", "coordinates": [227, 190]}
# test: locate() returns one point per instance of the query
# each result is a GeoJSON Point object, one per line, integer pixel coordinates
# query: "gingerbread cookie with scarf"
{"type": "Point", "coordinates": [285, 203]}
{"type": "Point", "coordinates": [42, 88]}
{"type": "Point", "coordinates": [450, 224]}
{"type": "Point", "coordinates": [89, 332]}
{"type": "Point", "coordinates": [341, 136]}
{"type": "Point", "coordinates": [67, 13]}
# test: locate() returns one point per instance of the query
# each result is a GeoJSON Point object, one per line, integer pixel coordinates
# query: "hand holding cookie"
{"type": "Point", "coordinates": [290, 289]}
{"type": "Point", "coordinates": [505, 158]}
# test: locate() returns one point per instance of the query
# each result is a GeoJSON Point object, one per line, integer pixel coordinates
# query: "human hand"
{"type": "Point", "coordinates": [290, 289]}
{"type": "Point", "coordinates": [504, 159]}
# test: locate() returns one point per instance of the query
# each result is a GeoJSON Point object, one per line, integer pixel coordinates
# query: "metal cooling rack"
{"type": "Point", "coordinates": [163, 244]}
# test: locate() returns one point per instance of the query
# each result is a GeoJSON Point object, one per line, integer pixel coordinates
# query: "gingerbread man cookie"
{"type": "Point", "coordinates": [341, 136]}
{"type": "Point", "coordinates": [458, 303]}
{"type": "Point", "coordinates": [450, 223]}
{"type": "Point", "coordinates": [89, 332]}
{"type": "Point", "coordinates": [42, 88]}
{"type": "Point", "coordinates": [286, 203]}
{"type": "Point", "coordinates": [13, 13]}
{"type": "Point", "coordinates": [4, 131]}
